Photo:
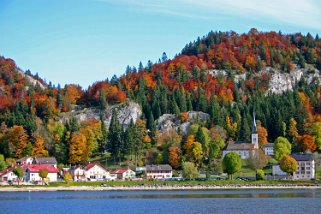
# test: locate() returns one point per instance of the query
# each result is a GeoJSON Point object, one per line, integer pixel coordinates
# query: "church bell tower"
{"type": "Point", "coordinates": [255, 137]}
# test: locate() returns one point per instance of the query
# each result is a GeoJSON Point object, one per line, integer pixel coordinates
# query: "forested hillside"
{"type": "Point", "coordinates": [223, 74]}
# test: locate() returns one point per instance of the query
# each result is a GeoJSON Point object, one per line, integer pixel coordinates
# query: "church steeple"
{"type": "Point", "coordinates": [254, 130]}
{"type": "Point", "coordinates": [255, 136]}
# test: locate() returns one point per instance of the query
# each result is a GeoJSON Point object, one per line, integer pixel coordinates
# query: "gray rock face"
{"type": "Point", "coordinates": [125, 113]}
{"type": "Point", "coordinates": [170, 121]}
{"type": "Point", "coordinates": [31, 79]}
{"type": "Point", "coordinates": [281, 82]}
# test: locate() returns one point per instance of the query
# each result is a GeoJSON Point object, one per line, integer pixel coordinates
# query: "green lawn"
{"type": "Point", "coordinates": [192, 182]}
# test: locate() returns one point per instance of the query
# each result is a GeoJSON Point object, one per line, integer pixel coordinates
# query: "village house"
{"type": "Point", "coordinates": [158, 171]}
{"type": "Point", "coordinates": [124, 174]}
{"type": "Point", "coordinates": [244, 149]}
{"type": "Point", "coordinates": [32, 172]}
{"type": "Point", "coordinates": [8, 175]}
{"type": "Point", "coordinates": [306, 167]}
{"type": "Point", "coordinates": [45, 160]}
{"type": "Point", "coordinates": [78, 173]}
{"type": "Point", "coordinates": [269, 149]}
{"type": "Point", "coordinates": [24, 161]}
{"type": "Point", "coordinates": [96, 172]}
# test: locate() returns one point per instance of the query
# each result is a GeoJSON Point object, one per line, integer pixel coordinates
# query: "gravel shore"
{"type": "Point", "coordinates": [154, 187]}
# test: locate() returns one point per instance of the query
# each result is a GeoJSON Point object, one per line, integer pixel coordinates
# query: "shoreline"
{"type": "Point", "coordinates": [154, 188]}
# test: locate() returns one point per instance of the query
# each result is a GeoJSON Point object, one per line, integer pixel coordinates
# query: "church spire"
{"type": "Point", "coordinates": [254, 130]}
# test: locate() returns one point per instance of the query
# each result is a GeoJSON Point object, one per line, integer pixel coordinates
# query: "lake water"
{"type": "Point", "coordinates": [207, 201]}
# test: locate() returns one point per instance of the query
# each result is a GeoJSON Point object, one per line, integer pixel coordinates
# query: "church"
{"type": "Point", "coordinates": [244, 149]}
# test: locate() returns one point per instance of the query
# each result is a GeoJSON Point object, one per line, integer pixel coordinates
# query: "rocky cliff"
{"type": "Point", "coordinates": [126, 112]}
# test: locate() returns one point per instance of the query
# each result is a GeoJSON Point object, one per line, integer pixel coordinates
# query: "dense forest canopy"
{"type": "Point", "coordinates": [203, 77]}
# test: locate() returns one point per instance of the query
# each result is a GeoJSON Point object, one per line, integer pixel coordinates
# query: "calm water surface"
{"type": "Point", "coordinates": [214, 201]}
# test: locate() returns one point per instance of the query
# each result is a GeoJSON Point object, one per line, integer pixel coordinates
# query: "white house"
{"type": "Point", "coordinates": [24, 161]}
{"type": "Point", "coordinates": [32, 172]}
{"type": "Point", "coordinates": [244, 149]}
{"type": "Point", "coordinates": [8, 175]}
{"type": "Point", "coordinates": [78, 173]}
{"type": "Point", "coordinates": [158, 171]}
{"type": "Point", "coordinates": [95, 172]}
{"type": "Point", "coordinates": [124, 174]}
{"type": "Point", "coordinates": [268, 149]}
{"type": "Point", "coordinates": [306, 167]}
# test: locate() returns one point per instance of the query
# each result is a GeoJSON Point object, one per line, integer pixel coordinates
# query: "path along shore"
{"type": "Point", "coordinates": [154, 187]}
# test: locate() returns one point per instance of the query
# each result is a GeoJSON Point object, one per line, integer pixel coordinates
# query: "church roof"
{"type": "Point", "coordinates": [239, 145]}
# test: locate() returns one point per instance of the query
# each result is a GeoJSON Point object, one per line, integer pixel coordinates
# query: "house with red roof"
{"type": "Point", "coordinates": [96, 172]}
{"type": "Point", "coordinates": [32, 172]}
{"type": "Point", "coordinates": [124, 174]}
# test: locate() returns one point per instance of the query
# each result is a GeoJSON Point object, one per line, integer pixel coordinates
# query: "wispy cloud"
{"type": "Point", "coordinates": [302, 14]}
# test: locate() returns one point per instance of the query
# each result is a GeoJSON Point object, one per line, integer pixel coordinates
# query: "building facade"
{"type": "Point", "coordinates": [158, 171]}
{"type": "Point", "coordinates": [306, 167]}
{"type": "Point", "coordinates": [96, 172]}
{"type": "Point", "coordinates": [8, 175]}
{"type": "Point", "coordinates": [124, 174]}
{"type": "Point", "coordinates": [268, 149]}
{"type": "Point", "coordinates": [32, 173]}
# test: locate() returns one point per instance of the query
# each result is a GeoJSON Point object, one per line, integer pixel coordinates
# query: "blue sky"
{"type": "Point", "coordinates": [83, 41]}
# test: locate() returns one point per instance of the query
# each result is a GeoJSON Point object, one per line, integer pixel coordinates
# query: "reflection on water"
{"type": "Point", "coordinates": [214, 201]}
{"type": "Point", "coordinates": [70, 195]}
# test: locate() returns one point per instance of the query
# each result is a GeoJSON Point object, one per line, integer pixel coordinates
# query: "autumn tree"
{"type": "Point", "coordinates": [17, 141]}
{"type": "Point", "coordinates": [293, 131]}
{"type": "Point", "coordinates": [38, 149]}
{"type": "Point", "coordinates": [288, 164]}
{"type": "Point", "coordinates": [306, 143]}
{"type": "Point", "coordinates": [281, 148]}
{"type": "Point", "coordinates": [174, 158]}
{"type": "Point", "coordinates": [77, 148]}
{"type": "Point", "coordinates": [262, 135]}
{"type": "Point", "coordinates": [193, 150]}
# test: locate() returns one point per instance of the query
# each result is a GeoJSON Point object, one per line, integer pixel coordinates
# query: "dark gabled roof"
{"type": "Point", "coordinates": [158, 167]}
{"type": "Point", "coordinates": [269, 145]}
{"type": "Point", "coordinates": [45, 160]}
{"type": "Point", "coordinates": [302, 157]}
{"type": "Point", "coordinates": [239, 145]}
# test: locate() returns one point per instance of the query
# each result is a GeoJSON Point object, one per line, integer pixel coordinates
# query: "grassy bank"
{"type": "Point", "coordinates": [219, 183]}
